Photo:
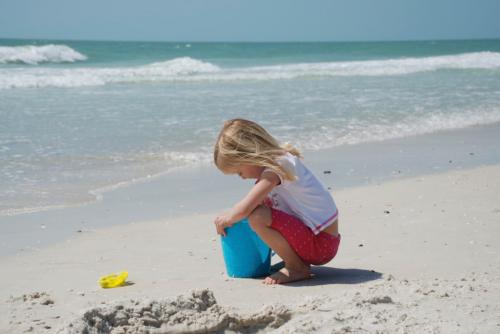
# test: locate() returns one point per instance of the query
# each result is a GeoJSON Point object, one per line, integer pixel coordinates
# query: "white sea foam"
{"type": "Point", "coordinates": [475, 60]}
{"type": "Point", "coordinates": [188, 158]}
{"type": "Point", "coordinates": [189, 69]}
{"type": "Point", "coordinates": [175, 69]}
{"type": "Point", "coordinates": [33, 55]}
{"type": "Point", "coordinates": [357, 132]}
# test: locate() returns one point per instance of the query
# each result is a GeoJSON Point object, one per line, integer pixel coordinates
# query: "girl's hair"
{"type": "Point", "coordinates": [245, 142]}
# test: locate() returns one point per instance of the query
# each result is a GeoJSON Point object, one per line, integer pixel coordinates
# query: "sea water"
{"type": "Point", "coordinates": [78, 118]}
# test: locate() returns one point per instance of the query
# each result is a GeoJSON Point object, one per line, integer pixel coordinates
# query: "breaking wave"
{"type": "Point", "coordinates": [34, 55]}
{"type": "Point", "coordinates": [188, 69]}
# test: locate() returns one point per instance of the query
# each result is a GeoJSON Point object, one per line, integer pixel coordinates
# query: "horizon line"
{"type": "Point", "coordinates": [254, 41]}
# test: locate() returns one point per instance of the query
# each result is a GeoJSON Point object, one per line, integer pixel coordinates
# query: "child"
{"type": "Point", "coordinates": [287, 207]}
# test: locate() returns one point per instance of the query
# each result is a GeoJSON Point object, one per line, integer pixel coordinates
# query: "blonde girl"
{"type": "Point", "coordinates": [288, 207]}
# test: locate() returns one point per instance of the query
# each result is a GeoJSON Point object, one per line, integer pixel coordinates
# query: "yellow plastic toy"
{"type": "Point", "coordinates": [113, 280]}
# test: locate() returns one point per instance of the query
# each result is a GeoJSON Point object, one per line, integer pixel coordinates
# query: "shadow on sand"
{"type": "Point", "coordinates": [327, 275]}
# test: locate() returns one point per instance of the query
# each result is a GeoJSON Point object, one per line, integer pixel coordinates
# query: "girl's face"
{"type": "Point", "coordinates": [248, 171]}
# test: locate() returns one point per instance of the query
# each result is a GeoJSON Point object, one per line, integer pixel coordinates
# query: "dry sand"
{"type": "Point", "coordinates": [417, 256]}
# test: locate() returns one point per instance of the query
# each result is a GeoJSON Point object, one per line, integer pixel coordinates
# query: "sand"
{"type": "Point", "coordinates": [418, 255]}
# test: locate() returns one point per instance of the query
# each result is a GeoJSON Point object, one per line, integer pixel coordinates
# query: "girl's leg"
{"type": "Point", "coordinates": [260, 220]}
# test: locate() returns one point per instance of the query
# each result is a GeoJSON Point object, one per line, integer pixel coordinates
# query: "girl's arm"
{"type": "Point", "coordinates": [242, 209]}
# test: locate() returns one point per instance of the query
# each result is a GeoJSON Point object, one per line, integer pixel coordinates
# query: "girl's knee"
{"type": "Point", "coordinates": [260, 217]}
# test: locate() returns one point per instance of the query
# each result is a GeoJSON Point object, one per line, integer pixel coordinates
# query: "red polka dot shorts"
{"type": "Point", "coordinates": [312, 249]}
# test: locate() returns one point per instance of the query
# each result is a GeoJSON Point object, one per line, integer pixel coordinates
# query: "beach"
{"type": "Point", "coordinates": [418, 254]}
{"type": "Point", "coordinates": [106, 166]}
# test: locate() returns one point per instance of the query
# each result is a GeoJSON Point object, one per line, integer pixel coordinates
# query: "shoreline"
{"type": "Point", "coordinates": [409, 247]}
{"type": "Point", "coordinates": [317, 157]}
{"type": "Point", "coordinates": [183, 191]}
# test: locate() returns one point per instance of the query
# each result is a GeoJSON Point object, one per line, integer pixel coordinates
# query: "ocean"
{"type": "Point", "coordinates": [79, 118]}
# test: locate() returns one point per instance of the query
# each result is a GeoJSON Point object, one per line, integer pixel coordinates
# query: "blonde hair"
{"type": "Point", "coordinates": [245, 142]}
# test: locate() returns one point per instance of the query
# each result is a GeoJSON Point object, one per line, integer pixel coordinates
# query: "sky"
{"type": "Point", "coordinates": [251, 20]}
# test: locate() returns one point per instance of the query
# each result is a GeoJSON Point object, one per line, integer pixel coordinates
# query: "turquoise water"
{"type": "Point", "coordinates": [78, 118]}
{"type": "Point", "coordinates": [249, 54]}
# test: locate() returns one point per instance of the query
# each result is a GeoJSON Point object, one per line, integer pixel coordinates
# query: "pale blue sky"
{"type": "Point", "coordinates": [252, 20]}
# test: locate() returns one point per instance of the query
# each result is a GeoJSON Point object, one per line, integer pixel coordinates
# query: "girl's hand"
{"type": "Point", "coordinates": [221, 222]}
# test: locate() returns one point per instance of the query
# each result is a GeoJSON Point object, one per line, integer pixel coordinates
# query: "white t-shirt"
{"type": "Point", "coordinates": [305, 198]}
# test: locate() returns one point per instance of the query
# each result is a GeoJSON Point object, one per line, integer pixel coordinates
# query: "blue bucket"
{"type": "Point", "coordinates": [245, 254]}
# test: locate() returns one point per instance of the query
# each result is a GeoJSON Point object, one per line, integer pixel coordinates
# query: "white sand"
{"type": "Point", "coordinates": [417, 256]}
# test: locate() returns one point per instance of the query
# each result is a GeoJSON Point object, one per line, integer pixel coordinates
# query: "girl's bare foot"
{"type": "Point", "coordinates": [286, 275]}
